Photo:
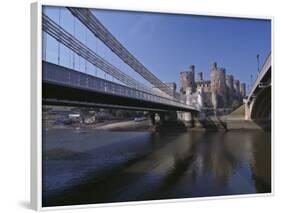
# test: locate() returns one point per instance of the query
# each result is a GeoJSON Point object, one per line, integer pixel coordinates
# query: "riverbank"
{"type": "Point", "coordinates": [127, 126]}
{"type": "Point", "coordinates": [212, 124]}
{"type": "Point", "coordinates": [223, 123]}
{"type": "Point", "coordinates": [112, 125]}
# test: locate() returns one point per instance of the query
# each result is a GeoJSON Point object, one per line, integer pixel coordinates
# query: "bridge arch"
{"type": "Point", "coordinates": [261, 108]}
{"type": "Point", "coordinates": [258, 103]}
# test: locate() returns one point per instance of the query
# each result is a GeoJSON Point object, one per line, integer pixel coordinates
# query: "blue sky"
{"type": "Point", "coordinates": [168, 43]}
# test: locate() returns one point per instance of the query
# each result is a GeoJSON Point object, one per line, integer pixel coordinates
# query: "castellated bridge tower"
{"type": "Point", "coordinates": [187, 80]}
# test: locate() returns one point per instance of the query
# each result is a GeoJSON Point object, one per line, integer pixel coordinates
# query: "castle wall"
{"type": "Point", "coordinates": [206, 85]}
{"type": "Point", "coordinates": [229, 82]}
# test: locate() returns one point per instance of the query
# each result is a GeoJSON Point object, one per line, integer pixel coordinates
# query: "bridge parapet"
{"type": "Point", "coordinates": [56, 74]}
{"type": "Point", "coordinates": [265, 68]}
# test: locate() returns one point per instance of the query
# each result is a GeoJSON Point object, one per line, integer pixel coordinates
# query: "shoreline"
{"type": "Point", "coordinates": [225, 124]}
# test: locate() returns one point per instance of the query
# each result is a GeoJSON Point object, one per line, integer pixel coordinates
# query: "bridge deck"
{"type": "Point", "coordinates": [67, 78]}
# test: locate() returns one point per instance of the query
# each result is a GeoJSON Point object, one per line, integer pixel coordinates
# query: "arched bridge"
{"type": "Point", "coordinates": [258, 103]}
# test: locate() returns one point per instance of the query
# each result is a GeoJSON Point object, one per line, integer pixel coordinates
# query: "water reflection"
{"type": "Point", "coordinates": [160, 166]}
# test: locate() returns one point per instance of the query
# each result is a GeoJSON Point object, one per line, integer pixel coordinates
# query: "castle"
{"type": "Point", "coordinates": [221, 91]}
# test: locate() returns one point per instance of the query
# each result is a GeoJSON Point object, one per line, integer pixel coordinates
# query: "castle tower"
{"type": "Point", "coordinates": [187, 80]}
{"type": "Point", "coordinates": [214, 99]}
{"type": "Point", "coordinates": [218, 85]}
{"type": "Point", "coordinates": [229, 83]}
{"type": "Point", "coordinates": [237, 89]}
{"type": "Point", "coordinates": [200, 76]}
{"type": "Point", "coordinates": [214, 84]}
{"type": "Point", "coordinates": [230, 89]}
{"type": "Point", "coordinates": [192, 77]}
{"type": "Point", "coordinates": [221, 87]}
{"type": "Point", "coordinates": [243, 90]}
{"type": "Point", "coordinates": [183, 82]}
{"type": "Point", "coordinates": [214, 77]}
{"type": "Point", "coordinates": [222, 78]}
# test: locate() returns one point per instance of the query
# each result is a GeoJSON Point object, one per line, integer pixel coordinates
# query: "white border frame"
{"type": "Point", "coordinates": [36, 106]}
{"type": "Point", "coordinates": [36, 102]}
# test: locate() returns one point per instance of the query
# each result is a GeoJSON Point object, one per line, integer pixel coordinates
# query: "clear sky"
{"type": "Point", "coordinates": [168, 43]}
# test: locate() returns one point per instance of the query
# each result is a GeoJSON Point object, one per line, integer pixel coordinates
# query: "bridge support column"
{"type": "Point", "coordinates": [188, 118]}
{"type": "Point", "coordinates": [161, 118]}
{"type": "Point", "coordinates": [248, 110]}
{"type": "Point", "coordinates": [152, 118]}
{"type": "Point", "coordinates": [156, 118]}
{"type": "Point", "coordinates": [194, 119]}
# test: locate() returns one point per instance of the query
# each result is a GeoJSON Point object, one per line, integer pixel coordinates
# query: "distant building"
{"type": "Point", "coordinates": [218, 92]}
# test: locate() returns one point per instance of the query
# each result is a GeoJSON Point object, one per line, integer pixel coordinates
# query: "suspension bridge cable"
{"type": "Point", "coordinates": [65, 38]}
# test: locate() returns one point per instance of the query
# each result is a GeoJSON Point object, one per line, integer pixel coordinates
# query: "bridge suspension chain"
{"type": "Point", "coordinates": [65, 38]}
{"type": "Point", "coordinates": [96, 27]}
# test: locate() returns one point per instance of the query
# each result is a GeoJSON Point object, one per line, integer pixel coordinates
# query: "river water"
{"type": "Point", "coordinates": [99, 166]}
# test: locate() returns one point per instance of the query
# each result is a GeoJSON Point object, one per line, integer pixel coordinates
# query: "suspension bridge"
{"type": "Point", "coordinates": [68, 85]}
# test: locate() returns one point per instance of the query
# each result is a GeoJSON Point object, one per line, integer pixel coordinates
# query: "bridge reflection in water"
{"type": "Point", "coordinates": [134, 166]}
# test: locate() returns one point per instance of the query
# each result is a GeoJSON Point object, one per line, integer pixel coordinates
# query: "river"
{"type": "Point", "coordinates": [100, 166]}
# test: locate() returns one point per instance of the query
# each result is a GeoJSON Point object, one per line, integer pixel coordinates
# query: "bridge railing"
{"type": "Point", "coordinates": [65, 76]}
{"type": "Point", "coordinates": [265, 67]}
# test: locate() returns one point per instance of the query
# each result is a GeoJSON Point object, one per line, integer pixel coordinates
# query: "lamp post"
{"type": "Point", "coordinates": [258, 62]}
{"type": "Point", "coordinates": [251, 80]}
